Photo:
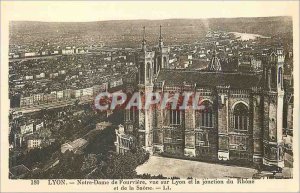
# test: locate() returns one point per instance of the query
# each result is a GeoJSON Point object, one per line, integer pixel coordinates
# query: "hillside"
{"type": "Point", "coordinates": [129, 32]}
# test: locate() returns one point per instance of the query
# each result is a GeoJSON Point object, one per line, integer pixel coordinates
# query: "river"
{"type": "Point", "coordinates": [247, 36]}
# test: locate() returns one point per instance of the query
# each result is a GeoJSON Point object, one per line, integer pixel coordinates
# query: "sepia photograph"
{"type": "Point", "coordinates": [139, 93]}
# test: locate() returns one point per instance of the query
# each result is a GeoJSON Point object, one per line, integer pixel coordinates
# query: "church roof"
{"type": "Point", "coordinates": [210, 79]}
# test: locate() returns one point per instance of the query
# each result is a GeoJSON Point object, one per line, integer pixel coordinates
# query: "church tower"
{"type": "Point", "coordinates": [273, 109]}
{"type": "Point", "coordinates": [161, 55]}
{"type": "Point", "coordinates": [145, 62]}
{"type": "Point", "coordinates": [160, 43]}
{"type": "Point", "coordinates": [144, 40]}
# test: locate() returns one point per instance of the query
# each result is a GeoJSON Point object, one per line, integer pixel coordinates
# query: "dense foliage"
{"type": "Point", "coordinates": [112, 166]}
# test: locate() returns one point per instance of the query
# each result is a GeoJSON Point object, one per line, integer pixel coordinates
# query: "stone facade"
{"type": "Point", "coordinates": [242, 119]}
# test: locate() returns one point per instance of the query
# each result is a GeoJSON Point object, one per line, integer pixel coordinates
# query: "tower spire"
{"type": "Point", "coordinates": [160, 31]}
{"type": "Point", "coordinates": [160, 43]}
{"type": "Point", "coordinates": [144, 40]}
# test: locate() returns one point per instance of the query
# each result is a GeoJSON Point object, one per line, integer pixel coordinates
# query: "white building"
{"type": "Point", "coordinates": [34, 143]}
{"type": "Point", "coordinates": [68, 51]}
{"type": "Point", "coordinates": [30, 54]}
{"type": "Point", "coordinates": [74, 146]}
{"type": "Point", "coordinates": [25, 129]}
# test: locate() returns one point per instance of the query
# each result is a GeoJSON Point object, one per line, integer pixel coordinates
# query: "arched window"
{"type": "Point", "coordinates": [165, 61]}
{"type": "Point", "coordinates": [142, 72]}
{"type": "Point", "coordinates": [158, 64]}
{"type": "Point", "coordinates": [280, 77]}
{"type": "Point", "coordinates": [175, 117]}
{"type": "Point", "coordinates": [130, 114]}
{"type": "Point", "coordinates": [206, 116]}
{"type": "Point", "coordinates": [273, 77]}
{"type": "Point", "coordinates": [240, 117]}
{"type": "Point", "coordinates": [148, 71]}
{"type": "Point", "coordinates": [158, 67]}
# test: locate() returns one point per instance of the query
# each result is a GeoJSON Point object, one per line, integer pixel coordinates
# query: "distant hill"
{"type": "Point", "coordinates": [129, 32]}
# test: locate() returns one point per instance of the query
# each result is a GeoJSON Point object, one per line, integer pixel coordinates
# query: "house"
{"type": "Point", "coordinates": [34, 143]}
{"type": "Point", "coordinates": [30, 54]}
{"type": "Point", "coordinates": [26, 100]}
{"type": "Point", "coordinates": [68, 51]}
{"type": "Point", "coordinates": [74, 146]}
{"type": "Point", "coordinates": [27, 128]}
{"type": "Point", "coordinates": [102, 125]}
{"type": "Point", "coordinates": [38, 126]}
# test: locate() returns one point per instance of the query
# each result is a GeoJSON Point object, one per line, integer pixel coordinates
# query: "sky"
{"type": "Point", "coordinates": [79, 11]}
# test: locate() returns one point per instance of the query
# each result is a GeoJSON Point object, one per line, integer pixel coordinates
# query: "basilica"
{"type": "Point", "coordinates": [242, 119]}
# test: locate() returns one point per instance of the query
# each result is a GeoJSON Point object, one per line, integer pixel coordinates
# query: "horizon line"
{"type": "Point", "coordinates": [200, 18]}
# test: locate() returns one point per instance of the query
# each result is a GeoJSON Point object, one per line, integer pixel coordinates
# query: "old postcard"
{"type": "Point", "coordinates": [149, 96]}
